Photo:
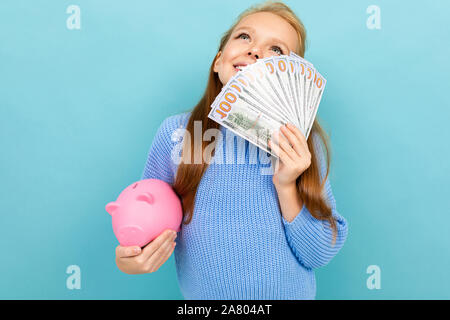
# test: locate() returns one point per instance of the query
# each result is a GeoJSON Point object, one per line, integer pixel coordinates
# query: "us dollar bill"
{"type": "Point", "coordinates": [241, 116]}
{"type": "Point", "coordinates": [267, 94]}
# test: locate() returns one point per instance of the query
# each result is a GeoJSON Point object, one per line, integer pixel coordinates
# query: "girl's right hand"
{"type": "Point", "coordinates": [134, 260]}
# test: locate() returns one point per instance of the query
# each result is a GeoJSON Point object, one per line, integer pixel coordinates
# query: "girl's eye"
{"type": "Point", "coordinates": [278, 48]}
{"type": "Point", "coordinates": [243, 34]}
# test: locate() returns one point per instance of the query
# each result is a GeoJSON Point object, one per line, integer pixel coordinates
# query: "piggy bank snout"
{"type": "Point", "coordinates": [112, 207]}
{"type": "Point", "coordinates": [131, 235]}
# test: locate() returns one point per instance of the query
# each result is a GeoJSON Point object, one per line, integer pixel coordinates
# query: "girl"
{"type": "Point", "coordinates": [246, 234]}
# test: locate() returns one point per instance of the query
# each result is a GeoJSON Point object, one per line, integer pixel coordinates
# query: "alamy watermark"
{"type": "Point", "coordinates": [213, 153]}
{"type": "Point", "coordinates": [374, 20]}
{"type": "Point", "coordinates": [374, 280]}
{"type": "Point", "coordinates": [73, 22]}
{"type": "Point", "coordinates": [74, 280]}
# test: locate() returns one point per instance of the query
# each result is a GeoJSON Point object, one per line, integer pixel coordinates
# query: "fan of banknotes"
{"type": "Point", "coordinates": [267, 94]}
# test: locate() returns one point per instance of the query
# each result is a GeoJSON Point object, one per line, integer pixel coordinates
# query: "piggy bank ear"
{"type": "Point", "coordinates": [111, 207]}
{"type": "Point", "coordinates": [147, 197]}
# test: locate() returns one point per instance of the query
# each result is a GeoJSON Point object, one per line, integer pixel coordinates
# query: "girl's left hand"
{"type": "Point", "coordinates": [293, 153]}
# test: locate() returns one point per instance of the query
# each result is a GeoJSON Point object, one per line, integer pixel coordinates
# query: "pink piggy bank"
{"type": "Point", "coordinates": [143, 211]}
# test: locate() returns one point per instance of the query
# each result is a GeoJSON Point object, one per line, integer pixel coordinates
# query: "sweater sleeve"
{"type": "Point", "coordinates": [311, 239]}
{"type": "Point", "coordinates": [160, 162]}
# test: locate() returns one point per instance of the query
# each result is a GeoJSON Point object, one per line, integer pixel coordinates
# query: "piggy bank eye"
{"type": "Point", "coordinates": [135, 185]}
{"type": "Point", "coordinates": [147, 197]}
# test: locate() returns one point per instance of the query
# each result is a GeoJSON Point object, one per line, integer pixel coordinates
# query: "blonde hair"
{"type": "Point", "coordinates": [281, 10]}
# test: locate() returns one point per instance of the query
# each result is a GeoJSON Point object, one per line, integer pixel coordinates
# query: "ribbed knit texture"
{"type": "Point", "coordinates": [238, 246]}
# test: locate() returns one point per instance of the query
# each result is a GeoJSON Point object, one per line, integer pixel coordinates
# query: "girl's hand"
{"type": "Point", "coordinates": [293, 153]}
{"type": "Point", "coordinates": [134, 260]}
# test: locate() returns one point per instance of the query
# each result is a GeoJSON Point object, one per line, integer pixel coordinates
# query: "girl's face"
{"type": "Point", "coordinates": [257, 36]}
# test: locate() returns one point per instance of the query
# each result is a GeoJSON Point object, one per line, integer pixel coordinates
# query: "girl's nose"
{"type": "Point", "coordinates": [255, 50]}
{"type": "Point", "coordinates": [256, 56]}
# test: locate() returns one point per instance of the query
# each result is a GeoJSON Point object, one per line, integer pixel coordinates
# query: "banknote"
{"type": "Point", "coordinates": [267, 94]}
{"type": "Point", "coordinates": [242, 118]}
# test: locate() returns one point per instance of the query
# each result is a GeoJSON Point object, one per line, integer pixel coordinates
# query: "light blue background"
{"type": "Point", "coordinates": [79, 109]}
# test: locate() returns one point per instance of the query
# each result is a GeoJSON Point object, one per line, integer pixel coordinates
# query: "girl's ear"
{"type": "Point", "coordinates": [218, 60]}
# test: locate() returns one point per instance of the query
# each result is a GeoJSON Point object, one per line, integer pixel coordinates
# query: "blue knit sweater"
{"type": "Point", "coordinates": [238, 245]}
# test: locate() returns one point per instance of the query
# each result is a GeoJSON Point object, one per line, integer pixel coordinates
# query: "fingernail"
{"type": "Point", "coordinates": [137, 250]}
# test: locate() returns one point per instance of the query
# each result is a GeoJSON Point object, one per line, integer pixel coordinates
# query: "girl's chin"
{"type": "Point", "coordinates": [224, 78]}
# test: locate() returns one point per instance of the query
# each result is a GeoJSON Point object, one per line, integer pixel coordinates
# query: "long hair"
{"type": "Point", "coordinates": [190, 174]}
